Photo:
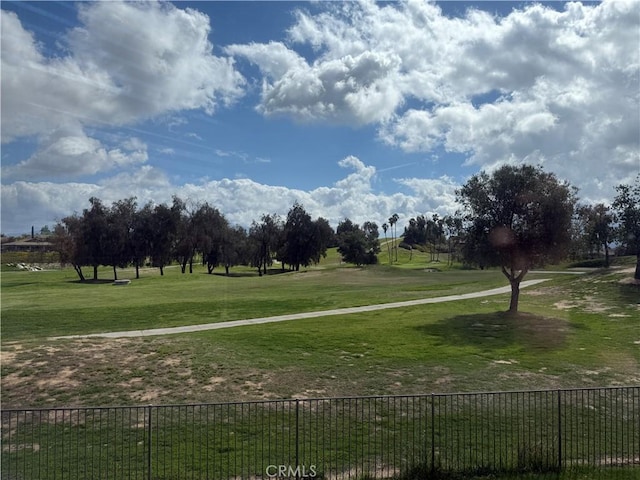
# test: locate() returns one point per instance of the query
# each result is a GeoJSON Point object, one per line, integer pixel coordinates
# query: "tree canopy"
{"type": "Point", "coordinates": [517, 218]}
{"type": "Point", "coordinates": [627, 206]}
{"type": "Point", "coordinates": [358, 245]}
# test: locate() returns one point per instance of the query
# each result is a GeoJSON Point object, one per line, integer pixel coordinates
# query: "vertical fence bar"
{"type": "Point", "coordinates": [433, 434]}
{"type": "Point", "coordinates": [560, 429]}
{"type": "Point", "coordinates": [148, 418]}
{"type": "Point", "coordinates": [297, 464]}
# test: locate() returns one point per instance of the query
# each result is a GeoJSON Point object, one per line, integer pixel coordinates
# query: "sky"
{"type": "Point", "coordinates": [354, 109]}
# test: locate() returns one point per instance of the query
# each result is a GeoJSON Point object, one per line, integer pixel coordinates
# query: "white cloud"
{"type": "Point", "coordinates": [242, 200]}
{"type": "Point", "coordinates": [558, 87]}
{"type": "Point", "coordinates": [126, 62]}
{"type": "Point", "coordinates": [68, 152]}
{"type": "Point", "coordinates": [352, 89]}
{"type": "Point", "coordinates": [274, 59]}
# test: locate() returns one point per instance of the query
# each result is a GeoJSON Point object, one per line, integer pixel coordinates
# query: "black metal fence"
{"type": "Point", "coordinates": [358, 437]}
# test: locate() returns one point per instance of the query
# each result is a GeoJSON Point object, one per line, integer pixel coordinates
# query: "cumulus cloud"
{"type": "Point", "coordinates": [351, 89]}
{"type": "Point", "coordinates": [557, 87]}
{"type": "Point", "coordinates": [241, 200]}
{"type": "Point", "coordinates": [70, 153]}
{"type": "Point", "coordinates": [125, 63]}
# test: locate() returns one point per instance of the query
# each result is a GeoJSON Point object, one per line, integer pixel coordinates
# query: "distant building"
{"type": "Point", "coordinates": [27, 245]}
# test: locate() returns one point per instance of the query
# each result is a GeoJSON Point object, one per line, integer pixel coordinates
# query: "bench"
{"type": "Point", "coordinates": [124, 281]}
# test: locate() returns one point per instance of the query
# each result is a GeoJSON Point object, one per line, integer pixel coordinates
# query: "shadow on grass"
{"type": "Point", "coordinates": [500, 329]}
{"type": "Point", "coordinates": [90, 281]}
{"type": "Point", "coordinates": [232, 274]}
{"type": "Point", "coordinates": [629, 293]}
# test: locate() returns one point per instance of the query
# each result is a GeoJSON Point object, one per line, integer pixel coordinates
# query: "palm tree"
{"type": "Point", "coordinates": [392, 221]}
{"type": "Point", "coordinates": [385, 227]}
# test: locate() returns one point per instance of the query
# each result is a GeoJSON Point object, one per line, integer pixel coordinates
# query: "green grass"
{"type": "Point", "coordinates": [40, 304]}
{"type": "Point", "coordinates": [573, 331]}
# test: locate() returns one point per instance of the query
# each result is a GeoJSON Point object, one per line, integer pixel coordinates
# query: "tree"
{"type": "Point", "coordinates": [597, 223]}
{"type": "Point", "coordinates": [358, 245]}
{"type": "Point", "coordinates": [208, 227]}
{"type": "Point", "coordinates": [627, 206]}
{"type": "Point", "coordinates": [300, 246]}
{"type": "Point", "coordinates": [385, 227]}
{"type": "Point", "coordinates": [95, 234]}
{"type": "Point", "coordinates": [184, 247]}
{"type": "Point", "coordinates": [164, 225]}
{"type": "Point", "coordinates": [265, 238]}
{"type": "Point", "coordinates": [142, 236]}
{"type": "Point", "coordinates": [233, 247]}
{"type": "Point", "coordinates": [520, 217]}
{"type": "Point", "coordinates": [434, 236]}
{"type": "Point", "coordinates": [393, 220]}
{"type": "Point", "coordinates": [323, 237]}
{"type": "Point", "coordinates": [68, 242]}
{"type": "Point", "coordinates": [119, 242]}
{"type": "Point", "coordinates": [452, 228]}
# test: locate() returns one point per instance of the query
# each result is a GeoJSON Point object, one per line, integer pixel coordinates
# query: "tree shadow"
{"type": "Point", "coordinates": [498, 330]}
{"type": "Point", "coordinates": [243, 274]}
{"type": "Point", "coordinates": [629, 292]}
{"type": "Point", "coordinates": [91, 281]}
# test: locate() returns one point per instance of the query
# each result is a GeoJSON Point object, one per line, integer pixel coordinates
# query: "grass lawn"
{"type": "Point", "coordinates": [41, 304]}
{"type": "Point", "coordinates": [574, 331]}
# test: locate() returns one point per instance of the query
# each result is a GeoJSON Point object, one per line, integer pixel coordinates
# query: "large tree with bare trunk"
{"type": "Point", "coordinates": [517, 218]}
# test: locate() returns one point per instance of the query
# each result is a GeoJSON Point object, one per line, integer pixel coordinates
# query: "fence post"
{"type": "Point", "coordinates": [297, 438]}
{"type": "Point", "coordinates": [559, 429]}
{"type": "Point", "coordinates": [433, 434]}
{"type": "Point", "coordinates": [149, 445]}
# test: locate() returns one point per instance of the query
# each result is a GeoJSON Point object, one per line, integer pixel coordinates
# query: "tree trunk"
{"type": "Point", "coordinates": [115, 274]}
{"type": "Point", "coordinates": [637, 274]}
{"type": "Point", "coordinates": [515, 296]}
{"type": "Point", "coordinates": [95, 272]}
{"type": "Point", "coordinates": [78, 270]}
{"type": "Point", "coordinates": [161, 270]}
{"type": "Point", "coordinates": [226, 270]}
{"type": "Point", "coordinates": [606, 255]}
{"type": "Point", "coordinates": [137, 270]}
{"type": "Point", "coordinates": [514, 280]}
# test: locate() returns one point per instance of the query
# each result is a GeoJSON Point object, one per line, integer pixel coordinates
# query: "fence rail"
{"type": "Point", "coordinates": [376, 437]}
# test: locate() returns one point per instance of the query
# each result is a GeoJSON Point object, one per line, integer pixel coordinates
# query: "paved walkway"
{"type": "Point", "coordinates": [299, 316]}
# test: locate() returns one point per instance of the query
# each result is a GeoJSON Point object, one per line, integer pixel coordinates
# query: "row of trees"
{"type": "Point", "coordinates": [437, 234]}
{"type": "Point", "coordinates": [123, 235]}
{"type": "Point", "coordinates": [516, 218]}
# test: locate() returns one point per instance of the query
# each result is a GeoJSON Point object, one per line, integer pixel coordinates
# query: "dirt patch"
{"type": "Point", "coordinates": [34, 447]}
{"type": "Point", "coordinates": [170, 362]}
{"type": "Point", "coordinates": [150, 395]}
{"type": "Point", "coordinates": [63, 378]}
{"type": "Point", "coordinates": [564, 305]}
{"type": "Point", "coordinates": [131, 383]}
{"type": "Point", "coordinates": [214, 382]}
{"type": "Point", "coordinates": [505, 362]}
{"type": "Point", "coordinates": [9, 357]}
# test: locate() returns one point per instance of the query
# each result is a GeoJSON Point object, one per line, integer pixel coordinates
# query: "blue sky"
{"type": "Point", "coordinates": [355, 109]}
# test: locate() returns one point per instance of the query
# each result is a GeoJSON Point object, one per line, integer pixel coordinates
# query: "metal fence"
{"type": "Point", "coordinates": [357, 437]}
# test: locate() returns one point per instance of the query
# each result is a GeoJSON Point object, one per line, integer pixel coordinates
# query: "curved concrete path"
{"type": "Point", "coordinates": [298, 316]}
